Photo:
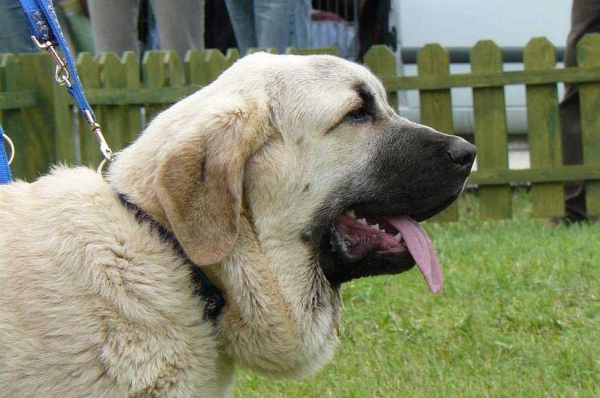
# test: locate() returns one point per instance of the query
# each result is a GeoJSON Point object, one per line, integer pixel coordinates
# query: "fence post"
{"type": "Point", "coordinates": [132, 80]}
{"type": "Point", "coordinates": [115, 116]}
{"type": "Point", "coordinates": [11, 118]}
{"type": "Point", "coordinates": [64, 126]}
{"type": "Point", "coordinates": [436, 105]}
{"type": "Point", "coordinates": [153, 76]}
{"type": "Point", "coordinates": [214, 64]}
{"type": "Point", "coordinates": [194, 74]}
{"type": "Point", "coordinates": [2, 88]}
{"type": "Point", "coordinates": [232, 55]}
{"type": "Point", "coordinates": [203, 68]}
{"type": "Point", "coordinates": [123, 73]}
{"type": "Point", "coordinates": [490, 130]}
{"type": "Point", "coordinates": [544, 129]}
{"type": "Point", "coordinates": [32, 129]}
{"type": "Point", "coordinates": [588, 56]}
{"type": "Point", "coordinates": [313, 51]}
{"type": "Point", "coordinates": [382, 62]}
{"type": "Point", "coordinates": [89, 72]}
{"type": "Point", "coordinates": [175, 71]}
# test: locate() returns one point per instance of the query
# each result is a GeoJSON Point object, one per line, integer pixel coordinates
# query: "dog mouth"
{"type": "Point", "coordinates": [356, 235]}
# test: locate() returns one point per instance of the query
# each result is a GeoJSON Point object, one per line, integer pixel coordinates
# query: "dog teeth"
{"type": "Point", "coordinates": [375, 227]}
{"type": "Point", "coordinates": [351, 213]}
{"type": "Point", "coordinates": [398, 237]}
{"type": "Point", "coordinates": [362, 221]}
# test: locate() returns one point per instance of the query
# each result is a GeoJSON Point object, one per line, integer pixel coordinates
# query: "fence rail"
{"type": "Point", "coordinates": [125, 93]}
{"type": "Point", "coordinates": [487, 80]}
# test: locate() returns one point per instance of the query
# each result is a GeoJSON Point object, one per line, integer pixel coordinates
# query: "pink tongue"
{"type": "Point", "coordinates": [420, 247]}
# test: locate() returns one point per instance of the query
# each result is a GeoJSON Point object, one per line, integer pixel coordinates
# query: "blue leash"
{"type": "Point", "coordinates": [47, 34]}
{"type": "Point", "coordinates": [5, 176]}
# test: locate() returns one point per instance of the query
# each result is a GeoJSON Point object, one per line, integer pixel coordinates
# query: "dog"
{"type": "Point", "coordinates": [281, 180]}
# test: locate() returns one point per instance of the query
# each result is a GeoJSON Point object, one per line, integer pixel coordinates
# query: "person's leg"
{"type": "Point", "coordinates": [241, 13]}
{"type": "Point", "coordinates": [275, 23]}
{"type": "Point", "coordinates": [282, 23]}
{"type": "Point", "coordinates": [585, 18]}
{"type": "Point", "coordinates": [570, 125]}
{"type": "Point", "coordinates": [14, 33]}
{"type": "Point", "coordinates": [301, 34]}
{"type": "Point", "coordinates": [180, 25]}
{"type": "Point", "coordinates": [114, 25]}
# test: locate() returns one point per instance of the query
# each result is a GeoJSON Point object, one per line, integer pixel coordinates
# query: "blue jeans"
{"type": "Point", "coordinates": [14, 33]}
{"type": "Point", "coordinates": [270, 23]}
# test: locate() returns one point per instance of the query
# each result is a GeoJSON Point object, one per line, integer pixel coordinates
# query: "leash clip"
{"type": "Point", "coordinates": [45, 26]}
{"type": "Point", "coordinates": [11, 146]}
{"type": "Point", "coordinates": [104, 148]}
{"type": "Point", "coordinates": [61, 75]}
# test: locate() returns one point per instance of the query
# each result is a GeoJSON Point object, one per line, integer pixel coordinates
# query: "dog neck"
{"type": "Point", "coordinates": [214, 299]}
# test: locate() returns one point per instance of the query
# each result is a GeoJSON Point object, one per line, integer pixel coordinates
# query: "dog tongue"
{"type": "Point", "coordinates": [420, 247]}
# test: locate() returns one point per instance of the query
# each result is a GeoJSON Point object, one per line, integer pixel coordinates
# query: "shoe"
{"type": "Point", "coordinates": [571, 219]}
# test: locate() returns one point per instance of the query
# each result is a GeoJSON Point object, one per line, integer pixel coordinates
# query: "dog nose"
{"type": "Point", "coordinates": [461, 152]}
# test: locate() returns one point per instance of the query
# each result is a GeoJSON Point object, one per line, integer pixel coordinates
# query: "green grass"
{"type": "Point", "coordinates": [519, 316]}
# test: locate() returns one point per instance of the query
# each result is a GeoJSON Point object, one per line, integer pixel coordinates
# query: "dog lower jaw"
{"type": "Point", "coordinates": [375, 263]}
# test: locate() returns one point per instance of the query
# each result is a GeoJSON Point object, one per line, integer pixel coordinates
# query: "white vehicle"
{"type": "Point", "coordinates": [457, 25]}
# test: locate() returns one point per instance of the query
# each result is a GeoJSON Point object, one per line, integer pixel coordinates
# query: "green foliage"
{"type": "Point", "coordinates": [519, 316]}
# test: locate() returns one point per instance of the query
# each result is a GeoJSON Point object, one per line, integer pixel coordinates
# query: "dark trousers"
{"type": "Point", "coordinates": [585, 18]}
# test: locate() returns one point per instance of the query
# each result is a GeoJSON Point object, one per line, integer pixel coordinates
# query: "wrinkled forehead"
{"type": "Point", "coordinates": [313, 90]}
{"type": "Point", "coordinates": [330, 84]}
{"type": "Point", "coordinates": [323, 88]}
{"type": "Point", "coordinates": [336, 74]}
{"type": "Point", "coordinates": [304, 73]}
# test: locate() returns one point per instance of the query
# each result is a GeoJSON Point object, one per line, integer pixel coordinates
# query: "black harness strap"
{"type": "Point", "coordinates": [214, 299]}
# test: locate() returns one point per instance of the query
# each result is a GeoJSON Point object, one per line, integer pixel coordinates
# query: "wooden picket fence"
{"type": "Point", "coordinates": [40, 118]}
{"type": "Point", "coordinates": [487, 80]}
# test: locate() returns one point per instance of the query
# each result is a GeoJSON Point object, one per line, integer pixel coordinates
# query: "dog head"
{"type": "Point", "coordinates": [309, 148]}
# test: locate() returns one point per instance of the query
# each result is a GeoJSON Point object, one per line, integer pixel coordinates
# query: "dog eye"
{"type": "Point", "coordinates": [359, 115]}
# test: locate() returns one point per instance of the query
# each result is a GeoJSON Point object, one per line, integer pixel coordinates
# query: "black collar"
{"type": "Point", "coordinates": [214, 300]}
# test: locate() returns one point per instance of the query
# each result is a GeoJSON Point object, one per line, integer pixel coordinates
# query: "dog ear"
{"type": "Point", "coordinates": [199, 183]}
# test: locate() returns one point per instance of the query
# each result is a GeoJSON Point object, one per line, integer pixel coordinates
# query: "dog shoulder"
{"type": "Point", "coordinates": [83, 279]}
